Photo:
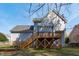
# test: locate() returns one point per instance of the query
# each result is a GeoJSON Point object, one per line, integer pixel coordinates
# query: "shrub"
{"type": "Point", "coordinates": [3, 37]}
{"type": "Point", "coordinates": [67, 40]}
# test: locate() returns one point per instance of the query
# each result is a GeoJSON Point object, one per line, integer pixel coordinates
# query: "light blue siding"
{"type": "Point", "coordinates": [24, 36]}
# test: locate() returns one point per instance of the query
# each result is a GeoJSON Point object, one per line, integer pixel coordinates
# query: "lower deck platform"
{"type": "Point", "coordinates": [42, 40]}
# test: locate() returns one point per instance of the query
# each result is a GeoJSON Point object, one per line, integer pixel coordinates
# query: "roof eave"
{"type": "Point", "coordinates": [59, 16]}
{"type": "Point", "coordinates": [21, 31]}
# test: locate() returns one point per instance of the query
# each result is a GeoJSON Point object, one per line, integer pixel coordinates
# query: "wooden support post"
{"type": "Point", "coordinates": [52, 42]}
{"type": "Point", "coordinates": [33, 37]}
{"type": "Point", "coordinates": [37, 43]}
{"type": "Point", "coordinates": [52, 30]}
{"type": "Point", "coordinates": [38, 30]}
{"type": "Point", "coordinates": [45, 43]}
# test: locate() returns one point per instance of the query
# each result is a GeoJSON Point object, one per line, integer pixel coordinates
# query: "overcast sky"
{"type": "Point", "coordinates": [14, 14]}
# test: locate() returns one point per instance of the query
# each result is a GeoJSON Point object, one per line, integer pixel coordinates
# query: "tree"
{"type": "Point", "coordinates": [3, 37]}
{"type": "Point", "coordinates": [47, 6]}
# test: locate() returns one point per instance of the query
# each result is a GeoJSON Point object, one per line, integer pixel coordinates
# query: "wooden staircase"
{"type": "Point", "coordinates": [28, 41]}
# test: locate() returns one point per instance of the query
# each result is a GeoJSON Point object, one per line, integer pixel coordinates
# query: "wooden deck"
{"type": "Point", "coordinates": [41, 40]}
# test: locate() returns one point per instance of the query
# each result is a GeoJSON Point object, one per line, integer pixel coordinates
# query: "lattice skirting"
{"type": "Point", "coordinates": [45, 43]}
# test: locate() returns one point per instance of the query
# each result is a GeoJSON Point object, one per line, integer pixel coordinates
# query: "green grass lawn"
{"type": "Point", "coordinates": [6, 46]}
{"type": "Point", "coordinates": [53, 52]}
{"type": "Point", "coordinates": [67, 51]}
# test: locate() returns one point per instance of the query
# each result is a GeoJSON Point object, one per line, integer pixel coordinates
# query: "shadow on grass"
{"type": "Point", "coordinates": [67, 51]}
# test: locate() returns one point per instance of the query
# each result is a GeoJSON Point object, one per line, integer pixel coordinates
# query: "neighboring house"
{"type": "Point", "coordinates": [74, 36]}
{"type": "Point", "coordinates": [44, 33]}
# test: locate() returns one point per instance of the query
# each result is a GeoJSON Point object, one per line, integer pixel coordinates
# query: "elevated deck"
{"type": "Point", "coordinates": [41, 40]}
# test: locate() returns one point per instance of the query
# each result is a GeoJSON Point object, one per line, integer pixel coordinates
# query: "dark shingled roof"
{"type": "Point", "coordinates": [22, 28]}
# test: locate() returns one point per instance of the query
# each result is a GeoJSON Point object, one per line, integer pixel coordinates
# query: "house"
{"type": "Point", "coordinates": [47, 32]}
{"type": "Point", "coordinates": [74, 36]}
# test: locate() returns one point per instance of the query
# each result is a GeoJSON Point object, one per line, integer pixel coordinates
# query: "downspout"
{"type": "Point", "coordinates": [63, 38]}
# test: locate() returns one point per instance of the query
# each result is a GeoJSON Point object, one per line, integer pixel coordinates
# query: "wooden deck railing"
{"type": "Point", "coordinates": [45, 35]}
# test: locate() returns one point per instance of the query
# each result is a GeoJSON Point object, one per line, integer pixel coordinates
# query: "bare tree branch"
{"type": "Point", "coordinates": [41, 7]}
{"type": "Point", "coordinates": [60, 5]}
{"type": "Point", "coordinates": [42, 10]}
{"type": "Point", "coordinates": [56, 6]}
{"type": "Point", "coordinates": [48, 7]}
{"type": "Point", "coordinates": [37, 9]}
{"type": "Point", "coordinates": [30, 7]}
